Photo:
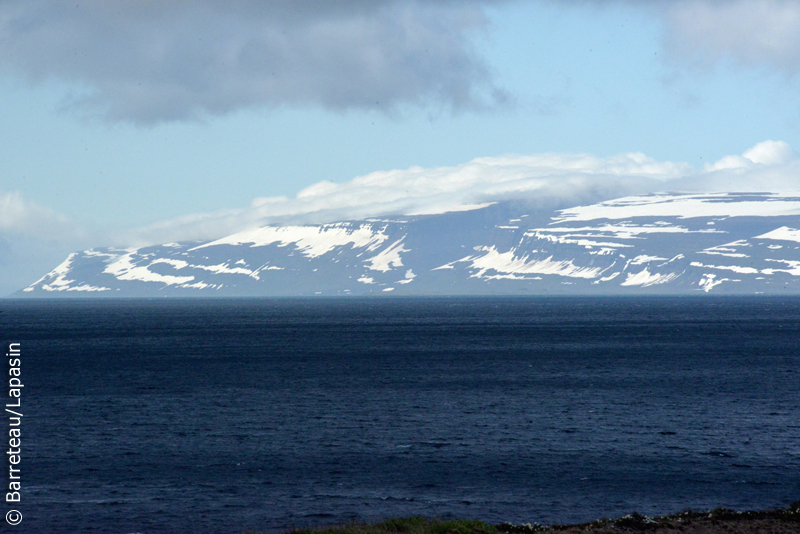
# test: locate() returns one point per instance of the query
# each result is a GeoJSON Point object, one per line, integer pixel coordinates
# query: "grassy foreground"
{"type": "Point", "coordinates": [718, 521]}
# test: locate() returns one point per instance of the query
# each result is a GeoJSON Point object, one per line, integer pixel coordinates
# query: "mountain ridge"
{"type": "Point", "coordinates": [668, 243]}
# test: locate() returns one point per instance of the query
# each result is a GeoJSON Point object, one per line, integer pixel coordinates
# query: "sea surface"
{"type": "Point", "coordinates": [222, 416]}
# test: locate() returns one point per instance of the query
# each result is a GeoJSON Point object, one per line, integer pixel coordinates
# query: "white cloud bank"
{"type": "Point", "coordinates": [547, 180]}
{"type": "Point", "coordinates": [21, 217]}
{"type": "Point", "coordinates": [544, 180]}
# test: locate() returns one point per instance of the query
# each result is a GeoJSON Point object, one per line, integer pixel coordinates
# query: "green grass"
{"type": "Point", "coordinates": [635, 522]}
{"type": "Point", "coordinates": [630, 523]}
{"type": "Point", "coordinates": [406, 525]}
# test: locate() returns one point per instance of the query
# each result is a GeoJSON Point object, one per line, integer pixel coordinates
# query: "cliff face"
{"type": "Point", "coordinates": [656, 244]}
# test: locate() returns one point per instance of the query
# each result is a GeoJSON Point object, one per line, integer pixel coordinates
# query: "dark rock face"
{"type": "Point", "coordinates": [656, 244]}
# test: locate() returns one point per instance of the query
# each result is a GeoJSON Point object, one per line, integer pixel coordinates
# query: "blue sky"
{"type": "Point", "coordinates": [127, 123]}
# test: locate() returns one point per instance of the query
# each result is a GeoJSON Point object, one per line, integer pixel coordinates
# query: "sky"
{"type": "Point", "coordinates": [128, 123]}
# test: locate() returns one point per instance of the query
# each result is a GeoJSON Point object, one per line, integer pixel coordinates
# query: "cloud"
{"type": "Point", "coordinates": [543, 180]}
{"type": "Point", "coordinates": [766, 153]}
{"type": "Point", "coordinates": [23, 218]}
{"type": "Point", "coordinates": [149, 62]}
{"type": "Point", "coordinates": [33, 238]}
{"type": "Point", "coordinates": [153, 62]}
{"type": "Point", "coordinates": [547, 181]}
{"type": "Point", "coordinates": [753, 33]}
{"type": "Point", "coordinates": [770, 166]}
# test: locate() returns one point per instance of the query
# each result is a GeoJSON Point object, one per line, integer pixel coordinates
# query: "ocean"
{"type": "Point", "coordinates": [229, 415]}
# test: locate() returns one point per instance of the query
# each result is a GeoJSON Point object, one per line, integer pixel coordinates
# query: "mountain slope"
{"type": "Point", "coordinates": [655, 244]}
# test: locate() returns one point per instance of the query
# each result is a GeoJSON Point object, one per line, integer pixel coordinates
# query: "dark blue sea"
{"type": "Point", "coordinates": [223, 416]}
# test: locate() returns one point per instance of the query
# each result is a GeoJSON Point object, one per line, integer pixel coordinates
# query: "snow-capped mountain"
{"type": "Point", "coordinates": [657, 244]}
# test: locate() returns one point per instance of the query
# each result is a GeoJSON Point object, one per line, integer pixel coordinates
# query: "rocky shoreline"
{"type": "Point", "coordinates": [717, 521]}
{"type": "Point", "coordinates": [720, 520]}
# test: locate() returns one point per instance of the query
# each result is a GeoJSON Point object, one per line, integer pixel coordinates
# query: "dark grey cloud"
{"type": "Point", "coordinates": [149, 62]}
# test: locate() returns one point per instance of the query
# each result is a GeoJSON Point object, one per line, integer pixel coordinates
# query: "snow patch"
{"type": "Point", "coordinates": [784, 233]}
{"type": "Point", "coordinates": [59, 273]}
{"type": "Point", "coordinates": [641, 260]}
{"type": "Point", "coordinates": [408, 278]}
{"type": "Point", "coordinates": [448, 208]}
{"type": "Point", "coordinates": [124, 269]}
{"type": "Point", "coordinates": [625, 230]}
{"type": "Point", "coordinates": [506, 262]}
{"type": "Point", "coordinates": [708, 282]}
{"type": "Point", "coordinates": [388, 258]}
{"type": "Point", "coordinates": [312, 241]}
{"type": "Point", "coordinates": [59, 280]}
{"type": "Point", "coordinates": [794, 268]}
{"type": "Point", "coordinates": [223, 268]}
{"type": "Point", "coordinates": [734, 268]}
{"type": "Point", "coordinates": [566, 240]}
{"type": "Point", "coordinates": [196, 285]}
{"type": "Point", "coordinates": [511, 277]}
{"type": "Point", "coordinates": [728, 249]}
{"type": "Point", "coordinates": [684, 207]}
{"type": "Point", "coordinates": [645, 278]}
{"type": "Point", "coordinates": [178, 264]}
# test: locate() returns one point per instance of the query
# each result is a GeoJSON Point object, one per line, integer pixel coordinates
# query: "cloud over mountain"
{"type": "Point", "coordinates": [548, 180]}
{"type": "Point", "coordinates": [545, 180]}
